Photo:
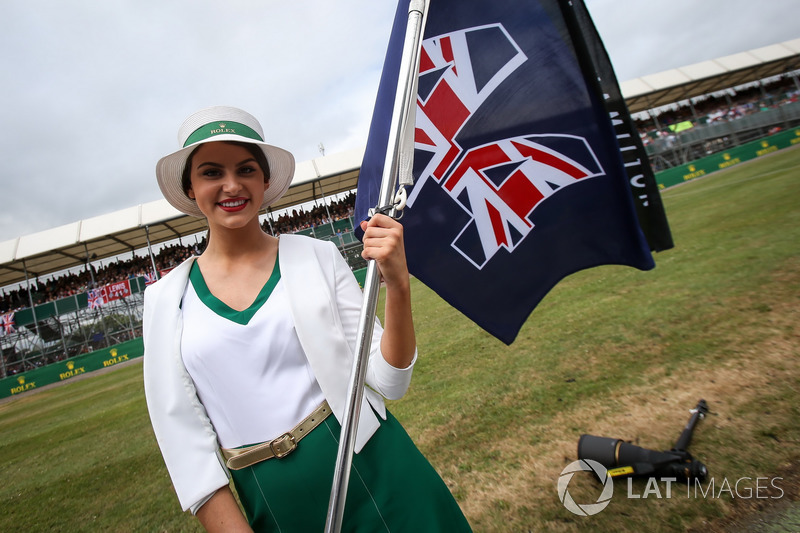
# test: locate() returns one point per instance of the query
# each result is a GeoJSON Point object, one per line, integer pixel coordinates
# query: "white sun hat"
{"type": "Point", "coordinates": [221, 123]}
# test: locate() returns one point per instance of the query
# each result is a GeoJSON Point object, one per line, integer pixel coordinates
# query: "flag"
{"type": "Point", "coordinates": [96, 297]}
{"type": "Point", "coordinates": [150, 278]}
{"type": "Point", "coordinates": [7, 323]}
{"type": "Point", "coordinates": [642, 181]}
{"type": "Point", "coordinates": [519, 176]}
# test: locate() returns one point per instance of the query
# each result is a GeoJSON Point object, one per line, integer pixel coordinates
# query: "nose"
{"type": "Point", "coordinates": [230, 183]}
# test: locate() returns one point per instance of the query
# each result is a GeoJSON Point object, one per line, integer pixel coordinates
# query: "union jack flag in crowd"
{"type": "Point", "coordinates": [150, 278]}
{"type": "Point", "coordinates": [519, 179]}
{"type": "Point", "coordinates": [96, 298]}
{"type": "Point", "coordinates": [7, 324]}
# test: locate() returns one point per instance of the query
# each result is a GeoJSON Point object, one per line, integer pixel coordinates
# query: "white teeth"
{"type": "Point", "coordinates": [234, 203]}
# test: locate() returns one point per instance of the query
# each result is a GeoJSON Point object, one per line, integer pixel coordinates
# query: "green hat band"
{"type": "Point", "coordinates": [221, 128]}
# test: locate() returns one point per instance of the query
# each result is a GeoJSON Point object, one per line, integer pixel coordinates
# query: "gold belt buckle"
{"type": "Point", "coordinates": [283, 445]}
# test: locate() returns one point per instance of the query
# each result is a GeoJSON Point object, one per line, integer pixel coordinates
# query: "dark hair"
{"type": "Point", "coordinates": [254, 149]}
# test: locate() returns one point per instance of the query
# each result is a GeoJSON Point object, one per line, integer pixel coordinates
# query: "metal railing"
{"type": "Point", "coordinates": [675, 149]}
{"type": "Point", "coordinates": [61, 329]}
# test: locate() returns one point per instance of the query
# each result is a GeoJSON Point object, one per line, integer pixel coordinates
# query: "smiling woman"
{"type": "Point", "coordinates": [227, 177]}
{"type": "Point", "coordinates": [256, 156]}
{"type": "Point", "coordinates": [248, 350]}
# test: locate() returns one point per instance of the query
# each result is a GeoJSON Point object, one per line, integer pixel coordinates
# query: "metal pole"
{"type": "Point", "coordinates": [61, 334]}
{"type": "Point", "coordinates": [100, 312]}
{"type": "Point", "coordinates": [327, 210]}
{"type": "Point", "coordinates": [103, 322]}
{"type": "Point", "coordinates": [3, 371]}
{"type": "Point", "coordinates": [403, 100]}
{"type": "Point", "coordinates": [81, 329]}
{"type": "Point", "coordinates": [89, 264]}
{"type": "Point", "coordinates": [269, 221]}
{"type": "Point", "coordinates": [30, 300]}
{"type": "Point", "coordinates": [150, 251]}
{"type": "Point", "coordinates": [316, 205]}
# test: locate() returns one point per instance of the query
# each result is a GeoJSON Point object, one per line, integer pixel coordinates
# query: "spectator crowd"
{"type": "Point", "coordinates": [299, 220]}
{"type": "Point", "coordinates": [710, 109]}
{"type": "Point", "coordinates": [167, 257]}
{"type": "Point", "coordinates": [719, 108]}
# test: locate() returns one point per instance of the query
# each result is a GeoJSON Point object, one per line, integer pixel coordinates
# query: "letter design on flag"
{"type": "Point", "coordinates": [499, 183]}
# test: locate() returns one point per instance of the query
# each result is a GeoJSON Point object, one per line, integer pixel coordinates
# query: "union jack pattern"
{"type": "Point", "coordinates": [499, 183]}
{"type": "Point", "coordinates": [518, 177]}
{"type": "Point", "coordinates": [7, 324]}
{"type": "Point", "coordinates": [96, 298]}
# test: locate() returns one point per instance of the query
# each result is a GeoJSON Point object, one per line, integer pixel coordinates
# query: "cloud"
{"type": "Point", "coordinates": [97, 90]}
{"type": "Point", "coordinates": [94, 92]}
{"type": "Point", "coordinates": [656, 35]}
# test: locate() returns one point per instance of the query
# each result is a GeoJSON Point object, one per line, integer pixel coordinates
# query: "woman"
{"type": "Point", "coordinates": [248, 349]}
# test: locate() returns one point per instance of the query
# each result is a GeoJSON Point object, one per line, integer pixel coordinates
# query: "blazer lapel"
{"type": "Point", "coordinates": [310, 299]}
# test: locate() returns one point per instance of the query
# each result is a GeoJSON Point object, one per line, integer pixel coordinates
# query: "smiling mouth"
{"type": "Point", "coordinates": [233, 205]}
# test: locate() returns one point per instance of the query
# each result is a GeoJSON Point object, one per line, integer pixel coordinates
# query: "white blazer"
{"type": "Point", "coordinates": [325, 302]}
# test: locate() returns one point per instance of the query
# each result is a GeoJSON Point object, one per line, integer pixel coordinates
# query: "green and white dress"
{"type": "Point", "coordinates": [255, 383]}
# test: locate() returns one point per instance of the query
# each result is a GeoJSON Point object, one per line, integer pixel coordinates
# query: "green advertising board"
{"type": "Point", "coordinates": [728, 158]}
{"type": "Point", "coordinates": [70, 368]}
{"type": "Point", "coordinates": [361, 276]}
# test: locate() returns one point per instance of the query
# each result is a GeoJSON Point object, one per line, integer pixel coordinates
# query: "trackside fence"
{"type": "Point", "coordinates": [60, 340]}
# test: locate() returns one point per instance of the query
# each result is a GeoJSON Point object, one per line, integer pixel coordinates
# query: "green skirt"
{"type": "Point", "coordinates": [392, 487]}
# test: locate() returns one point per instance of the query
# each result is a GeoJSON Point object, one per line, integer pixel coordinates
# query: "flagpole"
{"type": "Point", "coordinates": [403, 100]}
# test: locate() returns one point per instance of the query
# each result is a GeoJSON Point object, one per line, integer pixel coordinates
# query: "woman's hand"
{"type": "Point", "coordinates": [383, 242]}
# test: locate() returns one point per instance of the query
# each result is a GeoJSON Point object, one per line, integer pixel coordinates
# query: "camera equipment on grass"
{"type": "Point", "coordinates": [624, 459]}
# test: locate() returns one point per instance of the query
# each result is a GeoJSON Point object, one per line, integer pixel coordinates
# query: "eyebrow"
{"type": "Point", "coordinates": [217, 165]}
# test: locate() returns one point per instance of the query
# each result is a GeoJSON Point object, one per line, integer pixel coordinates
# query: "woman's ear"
{"type": "Point", "coordinates": [190, 193]}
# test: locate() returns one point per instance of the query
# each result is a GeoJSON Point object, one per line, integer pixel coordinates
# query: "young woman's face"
{"type": "Point", "coordinates": [227, 183]}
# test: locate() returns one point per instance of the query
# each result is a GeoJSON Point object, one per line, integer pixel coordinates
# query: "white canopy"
{"type": "Point", "coordinates": [663, 88]}
{"type": "Point", "coordinates": [128, 229]}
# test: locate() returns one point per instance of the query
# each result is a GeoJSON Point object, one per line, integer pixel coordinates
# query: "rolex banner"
{"type": "Point", "coordinates": [519, 176]}
{"type": "Point", "coordinates": [36, 378]}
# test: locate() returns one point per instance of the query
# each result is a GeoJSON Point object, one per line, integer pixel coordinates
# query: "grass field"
{"type": "Point", "coordinates": [610, 351]}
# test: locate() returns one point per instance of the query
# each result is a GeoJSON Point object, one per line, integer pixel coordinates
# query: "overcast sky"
{"type": "Point", "coordinates": [93, 92]}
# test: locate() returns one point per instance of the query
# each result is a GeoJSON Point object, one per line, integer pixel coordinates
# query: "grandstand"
{"type": "Point", "coordinates": [59, 300]}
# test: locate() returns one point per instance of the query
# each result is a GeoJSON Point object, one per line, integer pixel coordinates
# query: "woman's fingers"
{"type": "Point", "coordinates": [383, 242]}
{"type": "Point", "coordinates": [382, 235]}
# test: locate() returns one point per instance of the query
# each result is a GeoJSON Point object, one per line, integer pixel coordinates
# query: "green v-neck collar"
{"type": "Point", "coordinates": [224, 310]}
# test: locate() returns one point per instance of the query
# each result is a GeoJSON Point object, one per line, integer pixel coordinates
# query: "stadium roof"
{"type": "Point", "coordinates": [129, 229]}
{"type": "Point", "coordinates": [668, 87]}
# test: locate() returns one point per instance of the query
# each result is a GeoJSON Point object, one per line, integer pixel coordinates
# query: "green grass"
{"type": "Point", "coordinates": [610, 351]}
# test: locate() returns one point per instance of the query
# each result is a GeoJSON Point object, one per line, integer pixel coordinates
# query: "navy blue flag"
{"type": "Point", "coordinates": [519, 178]}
